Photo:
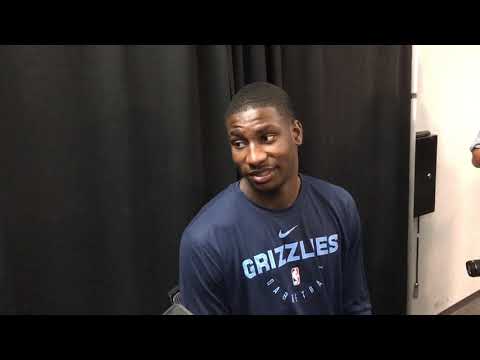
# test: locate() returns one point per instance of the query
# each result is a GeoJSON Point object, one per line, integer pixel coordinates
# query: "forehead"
{"type": "Point", "coordinates": [255, 117]}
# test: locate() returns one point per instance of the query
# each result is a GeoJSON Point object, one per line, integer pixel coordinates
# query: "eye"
{"type": "Point", "coordinates": [269, 138]}
{"type": "Point", "coordinates": [238, 144]}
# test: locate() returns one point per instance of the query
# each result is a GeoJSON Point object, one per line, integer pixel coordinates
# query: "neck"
{"type": "Point", "coordinates": [281, 198]}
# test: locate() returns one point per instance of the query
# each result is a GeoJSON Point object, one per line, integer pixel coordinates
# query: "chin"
{"type": "Point", "coordinates": [270, 186]}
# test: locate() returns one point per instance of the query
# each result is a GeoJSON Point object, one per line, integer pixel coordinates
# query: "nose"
{"type": "Point", "coordinates": [256, 155]}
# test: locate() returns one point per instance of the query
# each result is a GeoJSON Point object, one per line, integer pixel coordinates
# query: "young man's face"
{"type": "Point", "coordinates": [264, 147]}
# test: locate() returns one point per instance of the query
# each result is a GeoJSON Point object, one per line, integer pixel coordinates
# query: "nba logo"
{"type": "Point", "coordinates": [296, 276]}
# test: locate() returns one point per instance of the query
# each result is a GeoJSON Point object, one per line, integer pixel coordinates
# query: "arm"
{"type": "Point", "coordinates": [201, 277]}
{"type": "Point", "coordinates": [356, 299]}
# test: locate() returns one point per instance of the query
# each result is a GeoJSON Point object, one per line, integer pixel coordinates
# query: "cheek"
{"type": "Point", "coordinates": [283, 153]}
{"type": "Point", "coordinates": [237, 157]}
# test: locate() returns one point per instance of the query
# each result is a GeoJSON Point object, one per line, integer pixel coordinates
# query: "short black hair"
{"type": "Point", "coordinates": [261, 94]}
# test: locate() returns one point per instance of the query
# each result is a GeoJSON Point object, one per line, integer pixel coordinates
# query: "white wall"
{"type": "Point", "coordinates": [448, 104]}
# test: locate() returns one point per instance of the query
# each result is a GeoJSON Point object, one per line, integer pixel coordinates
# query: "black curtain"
{"type": "Point", "coordinates": [109, 151]}
{"type": "Point", "coordinates": [354, 103]}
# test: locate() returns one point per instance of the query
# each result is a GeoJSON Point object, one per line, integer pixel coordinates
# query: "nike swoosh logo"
{"type": "Point", "coordinates": [282, 235]}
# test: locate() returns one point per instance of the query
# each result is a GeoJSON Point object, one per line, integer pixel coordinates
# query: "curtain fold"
{"type": "Point", "coordinates": [109, 151]}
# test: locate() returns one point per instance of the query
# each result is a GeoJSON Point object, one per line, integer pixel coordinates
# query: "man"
{"type": "Point", "coordinates": [475, 149]}
{"type": "Point", "coordinates": [275, 242]}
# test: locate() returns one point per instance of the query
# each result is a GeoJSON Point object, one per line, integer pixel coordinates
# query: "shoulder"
{"type": "Point", "coordinates": [338, 200]}
{"type": "Point", "coordinates": [335, 195]}
{"type": "Point", "coordinates": [213, 219]}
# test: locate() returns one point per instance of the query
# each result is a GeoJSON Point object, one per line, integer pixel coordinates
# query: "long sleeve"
{"type": "Point", "coordinates": [201, 278]}
{"type": "Point", "coordinates": [356, 299]}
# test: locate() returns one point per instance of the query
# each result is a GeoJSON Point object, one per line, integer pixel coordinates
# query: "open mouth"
{"type": "Point", "coordinates": [262, 176]}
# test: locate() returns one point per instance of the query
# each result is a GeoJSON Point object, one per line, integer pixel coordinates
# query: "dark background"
{"type": "Point", "coordinates": [108, 152]}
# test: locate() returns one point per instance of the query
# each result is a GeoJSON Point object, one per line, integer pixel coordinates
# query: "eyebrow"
{"type": "Point", "coordinates": [260, 128]}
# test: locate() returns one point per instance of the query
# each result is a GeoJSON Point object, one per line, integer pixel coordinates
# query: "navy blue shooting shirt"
{"type": "Point", "coordinates": [239, 258]}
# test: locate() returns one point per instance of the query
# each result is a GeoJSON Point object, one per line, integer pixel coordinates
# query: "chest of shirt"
{"type": "Point", "coordinates": [261, 242]}
{"type": "Point", "coordinates": [289, 259]}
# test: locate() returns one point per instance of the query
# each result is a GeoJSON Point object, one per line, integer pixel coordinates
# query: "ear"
{"type": "Point", "coordinates": [297, 132]}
